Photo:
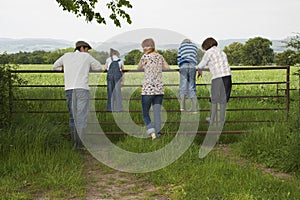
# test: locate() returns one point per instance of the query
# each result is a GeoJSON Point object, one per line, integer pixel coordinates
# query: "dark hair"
{"type": "Point", "coordinates": [209, 43]}
{"type": "Point", "coordinates": [79, 47]}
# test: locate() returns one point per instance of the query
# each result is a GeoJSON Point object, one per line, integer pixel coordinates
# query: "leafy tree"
{"type": "Point", "coordinates": [257, 51]}
{"type": "Point", "coordinates": [161, 52]}
{"type": "Point", "coordinates": [200, 55]}
{"type": "Point", "coordinates": [87, 9]}
{"type": "Point", "coordinates": [234, 53]}
{"type": "Point", "coordinates": [170, 56]}
{"type": "Point", "coordinates": [133, 57]}
{"type": "Point", "coordinates": [4, 58]}
{"type": "Point", "coordinates": [37, 57]}
{"type": "Point", "coordinates": [100, 56]}
{"type": "Point", "coordinates": [294, 42]}
{"type": "Point", "coordinates": [52, 56]}
{"type": "Point", "coordinates": [288, 57]}
{"type": "Point", "coordinates": [21, 58]}
{"type": "Point", "coordinates": [7, 93]}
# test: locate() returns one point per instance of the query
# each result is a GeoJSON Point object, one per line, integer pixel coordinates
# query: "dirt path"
{"type": "Point", "coordinates": [104, 183]}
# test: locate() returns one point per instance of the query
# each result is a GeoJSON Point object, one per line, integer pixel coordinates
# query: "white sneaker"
{"type": "Point", "coordinates": [153, 136]}
{"type": "Point", "coordinates": [207, 119]}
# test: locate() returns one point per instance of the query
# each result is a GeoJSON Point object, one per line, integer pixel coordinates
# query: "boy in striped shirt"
{"type": "Point", "coordinates": [187, 61]}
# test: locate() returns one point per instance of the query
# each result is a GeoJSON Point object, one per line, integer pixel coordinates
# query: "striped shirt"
{"type": "Point", "coordinates": [187, 53]}
{"type": "Point", "coordinates": [216, 60]}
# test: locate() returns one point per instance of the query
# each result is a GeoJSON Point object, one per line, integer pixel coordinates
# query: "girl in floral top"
{"type": "Point", "coordinates": [152, 91]}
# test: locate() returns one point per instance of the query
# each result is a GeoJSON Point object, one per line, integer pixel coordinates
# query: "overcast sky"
{"type": "Point", "coordinates": [196, 19]}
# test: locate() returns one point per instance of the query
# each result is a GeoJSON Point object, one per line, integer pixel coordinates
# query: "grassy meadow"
{"type": "Point", "coordinates": [37, 160]}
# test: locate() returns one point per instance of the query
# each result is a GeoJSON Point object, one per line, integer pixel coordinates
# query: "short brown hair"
{"type": "Point", "coordinates": [209, 43]}
{"type": "Point", "coordinates": [148, 45]}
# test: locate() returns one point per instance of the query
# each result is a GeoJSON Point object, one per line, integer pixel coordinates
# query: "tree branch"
{"type": "Point", "coordinates": [86, 8]}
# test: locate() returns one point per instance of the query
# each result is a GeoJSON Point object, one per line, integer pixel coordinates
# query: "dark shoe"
{"type": "Point", "coordinates": [158, 135]}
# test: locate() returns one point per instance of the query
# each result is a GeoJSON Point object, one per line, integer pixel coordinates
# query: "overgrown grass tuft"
{"type": "Point", "coordinates": [276, 146]}
{"type": "Point", "coordinates": [36, 159]}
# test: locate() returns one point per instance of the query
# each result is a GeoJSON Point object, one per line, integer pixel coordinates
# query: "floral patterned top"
{"type": "Point", "coordinates": [152, 65]}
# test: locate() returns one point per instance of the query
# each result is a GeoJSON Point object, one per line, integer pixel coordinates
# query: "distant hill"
{"type": "Point", "coordinates": [29, 45]}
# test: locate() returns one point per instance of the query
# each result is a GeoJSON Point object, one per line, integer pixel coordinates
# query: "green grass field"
{"type": "Point", "coordinates": [37, 158]}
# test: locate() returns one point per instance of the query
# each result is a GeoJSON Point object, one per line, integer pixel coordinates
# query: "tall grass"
{"type": "Point", "coordinates": [217, 178]}
{"type": "Point", "coordinates": [38, 160]}
{"type": "Point", "coordinates": [276, 146]}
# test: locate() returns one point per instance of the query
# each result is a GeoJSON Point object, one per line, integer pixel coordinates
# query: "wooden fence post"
{"type": "Point", "coordinates": [299, 92]}
{"type": "Point", "coordinates": [10, 96]}
{"type": "Point", "coordinates": [287, 91]}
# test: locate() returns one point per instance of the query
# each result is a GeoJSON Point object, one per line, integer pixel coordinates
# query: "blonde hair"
{"type": "Point", "coordinates": [186, 40]}
{"type": "Point", "coordinates": [148, 45]}
{"type": "Point", "coordinates": [114, 52]}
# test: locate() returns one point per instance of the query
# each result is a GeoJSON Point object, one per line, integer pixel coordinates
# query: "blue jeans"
{"type": "Point", "coordinates": [78, 105]}
{"type": "Point", "coordinates": [187, 85]}
{"type": "Point", "coordinates": [156, 102]}
{"type": "Point", "coordinates": [114, 94]}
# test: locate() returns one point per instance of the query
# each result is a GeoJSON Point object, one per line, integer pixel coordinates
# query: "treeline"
{"type": "Point", "coordinates": [255, 52]}
{"type": "Point", "coordinates": [258, 52]}
{"type": "Point", "coordinates": [44, 57]}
